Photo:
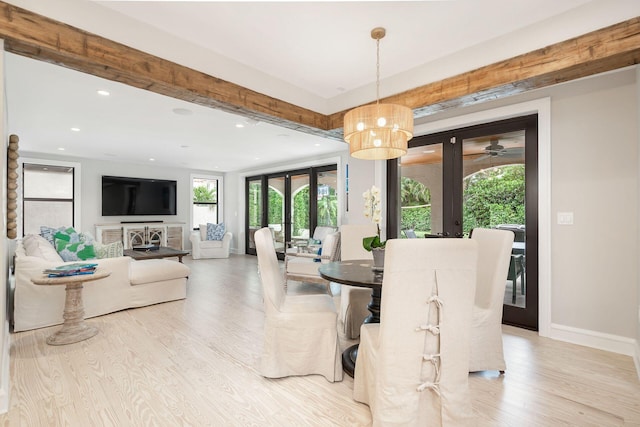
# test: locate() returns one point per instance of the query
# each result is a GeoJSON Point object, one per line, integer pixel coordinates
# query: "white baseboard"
{"type": "Point", "coordinates": [599, 340]}
{"type": "Point", "coordinates": [4, 370]}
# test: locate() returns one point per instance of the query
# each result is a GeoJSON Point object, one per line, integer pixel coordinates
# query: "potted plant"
{"type": "Point", "coordinates": [372, 210]}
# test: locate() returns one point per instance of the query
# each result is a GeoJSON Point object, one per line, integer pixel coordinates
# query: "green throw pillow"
{"type": "Point", "coordinates": [68, 235]}
{"type": "Point", "coordinates": [74, 251]}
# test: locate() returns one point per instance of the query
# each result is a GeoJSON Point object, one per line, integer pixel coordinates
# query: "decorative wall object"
{"type": "Point", "coordinates": [12, 187]}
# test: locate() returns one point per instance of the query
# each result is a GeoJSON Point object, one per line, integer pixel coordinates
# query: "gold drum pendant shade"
{"type": "Point", "coordinates": [378, 131]}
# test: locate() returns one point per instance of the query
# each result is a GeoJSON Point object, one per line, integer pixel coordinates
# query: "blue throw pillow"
{"type": "Point", "coordinates": [49, 232]}
{"type": "Point", "coordinates": [215, 231]}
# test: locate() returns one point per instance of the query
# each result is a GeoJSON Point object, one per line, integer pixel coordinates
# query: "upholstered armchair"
{"type": "Point", "coordinates": [303, 266]}
{"type": "Point", "coordinates": [494, 256]}
{"type": "Point", "coordinates": [203, 248]}
{"type": "Point", "coordinates": [412, 366]}
{"type": "Point", "coordinates": [300, 331]}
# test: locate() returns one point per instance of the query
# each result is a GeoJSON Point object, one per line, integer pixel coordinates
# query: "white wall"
{"type": "Point", "coordinates": [4, 248]}
{"type": "Point", "coordinates": [595, 172]}
{"type": "Point", "coordinates": [637, 351]}
{"type": "Point", "coordinates": [91, 193]}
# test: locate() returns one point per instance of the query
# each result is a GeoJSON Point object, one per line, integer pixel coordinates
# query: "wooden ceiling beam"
{"type": "Point", "coordinates": [38, 37]}
{"type": "Point", "coordinates": [603, 50]}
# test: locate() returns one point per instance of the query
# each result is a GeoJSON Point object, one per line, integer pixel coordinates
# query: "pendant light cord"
{"type": "Point", "coordinates": [377, 71]}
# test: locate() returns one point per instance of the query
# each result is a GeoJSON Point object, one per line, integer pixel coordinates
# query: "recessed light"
{"type": "Point", "coordinates": [152, 160]}
{"type": "Point", "coordinates": [182, 111]}
{"type": "Point", "coordinates": [256, 158]}
{"type": "Point", "coordinates": [103, 93]}
{"type": "Point", "coordinates": [60, 149]}
{"type": "Point", "coordinates": [75, 129]}
{"type": "Point", "coordinates": [317, 145]}
{"type": "Point", "coordinates": [239, 125]}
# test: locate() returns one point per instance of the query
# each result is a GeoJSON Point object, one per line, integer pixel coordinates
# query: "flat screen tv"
{"type": "Point", "coordinates": [137, 196]}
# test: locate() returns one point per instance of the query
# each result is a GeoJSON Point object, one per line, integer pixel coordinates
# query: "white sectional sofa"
{"type": "Point", "coordinates": [131, 284]}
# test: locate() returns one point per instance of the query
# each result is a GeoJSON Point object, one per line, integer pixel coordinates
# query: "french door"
{"type": "Point", "coordinates": [481, 176]}
{"type": "Point", "coordinates": [291, 204]}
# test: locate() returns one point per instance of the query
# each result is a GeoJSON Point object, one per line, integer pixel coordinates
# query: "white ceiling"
{"type": "Point", "coordinates": [318, 55]}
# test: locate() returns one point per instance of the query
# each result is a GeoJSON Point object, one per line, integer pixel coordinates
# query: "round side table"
{"type": "Point", "coordinates": [74, 328]}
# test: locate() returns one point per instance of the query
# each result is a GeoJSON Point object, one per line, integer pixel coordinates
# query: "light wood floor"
{"type": "Point", "coordinates": [194, 363]}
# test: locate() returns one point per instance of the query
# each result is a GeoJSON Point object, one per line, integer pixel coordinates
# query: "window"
{"type": "Point", "coordinates": [206, 193]}
{"type": "Point", "coordinates": [47, 196]}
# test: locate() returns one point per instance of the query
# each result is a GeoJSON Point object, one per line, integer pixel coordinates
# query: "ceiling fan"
{"type": "Point", "coordinates": [495, 149]}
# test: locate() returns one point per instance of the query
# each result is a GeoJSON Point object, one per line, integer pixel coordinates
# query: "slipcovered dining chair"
{"type": "Point", "coordinates": [354, 300]}
{"type": "Point", "coordinates": [300, 331]}
{"type": "Point", "coordinates": [494, 249]}
{"type": "Point", "coordinates": [412, 366]}
{"type": "Point", "coordinates": [303, 266]}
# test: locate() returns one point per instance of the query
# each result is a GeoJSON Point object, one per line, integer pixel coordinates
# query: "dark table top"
{"type": "Point", "coordinates": [354, 273]}
{"type": "Point", "coordinates": [161, 252]}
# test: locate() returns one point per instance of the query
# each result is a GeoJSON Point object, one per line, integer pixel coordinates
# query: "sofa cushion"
{"type": "Point", "coordinates": [215, 231]}
{"type": "Point", "coordinates": [74, 251]}
{"type": "Point", "coordinates": [38, 246]}
{"type": "Point", "coordinates": [304, 266]}
{"type": "Point", "coordinates": [209, 244]}
{"type": "Point", "coordinates": [156, 270]}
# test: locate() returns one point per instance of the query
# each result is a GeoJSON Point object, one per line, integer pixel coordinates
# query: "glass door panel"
{"type": "Point", "coordinates": [275, 211]}
{"type": "Point", "coordinates": [493, 196]}
{"type": "Point", "coordinates": [299, 225]}
{"type": "Point", "coordinates": [291, 203]}
{"type": "Point", "coordinates": [327, 199]}
{"type": "Point", "coordinates": [421, 195]}
{"type": "Point", "coordinates": [254, 211]}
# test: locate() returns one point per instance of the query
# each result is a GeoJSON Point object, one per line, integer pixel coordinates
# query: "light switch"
{"type": "Point", "coordinates": [565, 218]}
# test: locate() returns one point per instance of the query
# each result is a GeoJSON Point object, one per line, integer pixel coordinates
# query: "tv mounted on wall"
{"type": "Point", "coordinates": [137, 196]}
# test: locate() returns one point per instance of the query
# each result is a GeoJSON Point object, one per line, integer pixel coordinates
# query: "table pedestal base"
{"type": "Point", "coordinates": [349, 357]}
{"type": "Point", "coordinates": [74, 328]}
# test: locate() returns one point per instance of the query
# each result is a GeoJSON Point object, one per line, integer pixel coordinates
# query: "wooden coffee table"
{"type": "Point", "coordinates": [161, 252]}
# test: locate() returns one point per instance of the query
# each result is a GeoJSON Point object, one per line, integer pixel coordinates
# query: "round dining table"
{"type": "Point", "coordinates": [356, 273]}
